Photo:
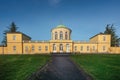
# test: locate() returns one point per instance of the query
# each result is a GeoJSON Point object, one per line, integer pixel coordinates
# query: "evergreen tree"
{"type": "Point", "coordinates": [11, 29]}
{"type": "Point", "coordinates": [115, 40]}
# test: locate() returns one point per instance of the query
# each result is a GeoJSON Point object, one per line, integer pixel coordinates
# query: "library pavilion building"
{"type": "Point", "coordinates": [60, 42]}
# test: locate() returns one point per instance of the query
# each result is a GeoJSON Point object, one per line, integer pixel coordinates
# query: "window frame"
{"type": "Point", "coordinates": [81, 48]}
{"type": "Point", "coordinates": [14, 48]}
{"type": "Point", "coordinates": [66, 36]}
{"type": "Point", "coordinates": [39, 48]}
{"type": "Point", "coordinates": [33, 48]}
{"type": "Point", "coordinates": [26, 48]}
{"type": "Point", "coordinates": [88, 48]}
{"type": "Point", "coordinates": [104, 48]}
{"type": "Point", "coordinates": [104, 38]}
{"type": "Point", "coordinates": [14, 37]}
{"type": "Point", "coordinates": [61, 35]}
{"type": "Point", "coordinates": [46, 48]}
{"type": "Point", "coordinates": [56, 35]}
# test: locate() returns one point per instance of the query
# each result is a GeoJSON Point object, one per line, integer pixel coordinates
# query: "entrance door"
{"type": "Point", "coordinates": [54, 48]}
{"type": "Point", "coordinates": [67, 48]}
{"type": "Point", "coordinates": [61, 48]}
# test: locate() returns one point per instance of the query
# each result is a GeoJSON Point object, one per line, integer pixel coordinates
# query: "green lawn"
{"type": "Point", "coordinates": [99, 66]}
{"type": "Point", "coordinates": [19, 67]}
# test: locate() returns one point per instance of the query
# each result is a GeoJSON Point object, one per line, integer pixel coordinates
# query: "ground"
{"type": "Point", "coordinates": [100, 66]}
{"type": "Point", "coordinates": [61, 67]}
{"type": "Point", "coordinates": [19, 67]}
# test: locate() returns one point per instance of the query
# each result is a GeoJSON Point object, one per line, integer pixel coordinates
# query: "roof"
{"type": "Point", "coordinates": [20, 33]}
{"type": "Point", "coordinates": [99, 34]}
{"type": "Point", "coordinates": [61, 26]}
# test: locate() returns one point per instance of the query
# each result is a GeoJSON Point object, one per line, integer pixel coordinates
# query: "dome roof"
{"type": "Point", "coordinates": [61, 26]}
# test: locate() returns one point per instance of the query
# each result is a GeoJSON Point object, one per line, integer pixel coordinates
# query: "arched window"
{"type": "Point", "coordinates": [66, 36]}
{"type": "Point", "coordinates": [54, 47]}
{"type": "Point", "coordinates": [61, 47]}
{"type": "Point", "coordinates": [56, 36]}
{"type": "Point", "coordinates": [61, 35]}
{"type": "Point", "coordinates": [67, 48]}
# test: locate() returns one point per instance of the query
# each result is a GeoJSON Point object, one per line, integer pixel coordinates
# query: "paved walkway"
{"type": "Point", "coordinates": [60, 68]}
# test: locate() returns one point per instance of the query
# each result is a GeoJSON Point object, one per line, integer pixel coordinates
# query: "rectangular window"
{"type": "Point", "coordinates": [93, 48]}
{"type": "Point", "coordinates": [104, 48]}
{"type": "Point", "coordinates": [46, 48]}
{"type": "Point", "coordinates": [81, 48]}
{"type": "Point", "coordinates": [75, 48]}
{"type": "Point", "coordinates": [88, 48]}
{"type": "Point", "coordinates": [104, 38]}
{"type": "Point", "coordinates": [14, 37]}
{"type": "Point", "coordinates": [33, 48]}
{"type": "Point", "coordinates": [26, 48]}
{"type": "Point", "coordinates": [14, 48]}
{"type": "Point", "coordinates": [39, 48]}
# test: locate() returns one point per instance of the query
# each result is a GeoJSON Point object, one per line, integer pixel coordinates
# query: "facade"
{"type": "Point", "coordinates": [19, 43]}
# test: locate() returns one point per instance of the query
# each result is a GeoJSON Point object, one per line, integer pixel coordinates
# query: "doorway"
{"type": "Point", "coordinates": [67, 48]}
{"type": "Point", "coordinates": [61, 48]}
{"type": "Point", "coordinates": [54, 48]}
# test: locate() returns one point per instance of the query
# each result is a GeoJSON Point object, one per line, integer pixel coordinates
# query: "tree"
{"type": "Point", "coordinates": [115, 40]}
{"type": "Point", "coordinates": [11, 29]}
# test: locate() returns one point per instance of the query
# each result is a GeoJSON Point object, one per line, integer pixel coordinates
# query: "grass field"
{"type": "Point", "coordinates": [19, 67]}
{"type": "Point", "coordinates": [99, 66]}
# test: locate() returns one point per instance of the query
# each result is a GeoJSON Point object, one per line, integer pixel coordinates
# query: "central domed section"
{"type": "Point", "coordinates": [61, 32]}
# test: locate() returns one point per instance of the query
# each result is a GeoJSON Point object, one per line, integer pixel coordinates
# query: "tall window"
{"type": "Point", "coordinates": [61, 35]}
{"type": "Point", "coordinates": [14, 37]}
{"type": "Point", "coordinates": [26, 48]}
{"type": "Point", "coordinates": [33, 48]}
{"type": "Point", "coordinates": [67, 46]}
{"type": "Point", "coordinates": [61, 47]}
{"type": "Point", "coordinates": [46, 48]}
{"type": "Point", "coordinates": [103, 48]}
{"type": "Point", "coordinates": [39, 48]}
{"type": "Point", "coordinates": [93, 48]}
{"type": "Point", "coordinates": [14, 48]}
{"type": "Point", "coordinates": [81, 48]}
{"type": "Point", "coordinates": [87, 48]}
{"type": "Point", "coordinates": [56, 36]}
{"type": "Point", "coordinates": [75, 48]}
{"type": "Point", "coordinates": [104, 38]}
{"type": "Point", "coordinates": [54, 47]}
{"type": "Point", "coordinates": [66, 36]}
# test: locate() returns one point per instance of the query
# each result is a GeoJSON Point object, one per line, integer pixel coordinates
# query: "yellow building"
{"type": "Point", "coordinates": [19, 43]}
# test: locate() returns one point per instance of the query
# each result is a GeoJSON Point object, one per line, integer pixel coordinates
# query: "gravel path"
{"type": "Point", "coordinates": [60, 68]}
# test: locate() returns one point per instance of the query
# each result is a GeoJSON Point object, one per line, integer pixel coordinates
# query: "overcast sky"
{"type": "Point", "coordinates": [36, 18]}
